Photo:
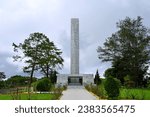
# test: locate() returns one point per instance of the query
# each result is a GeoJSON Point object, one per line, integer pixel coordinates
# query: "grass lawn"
{"type": "Point", "coordinates": [139, 94]}
{"type": "Point", "coordinates": [25, 96]}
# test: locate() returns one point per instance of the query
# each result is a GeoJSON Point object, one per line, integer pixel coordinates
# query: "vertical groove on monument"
{"type": "Point", "coordinates": [74, 46]}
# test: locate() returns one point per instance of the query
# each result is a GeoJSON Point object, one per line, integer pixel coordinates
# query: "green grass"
{"type": "Point", "coordinates": [125, 94]}
{"type": "Point", "coordinates": [25, 97]}
{"type": "Point", "coordinates": [5, 97]}
{"type": "Point", "coordinates": [138, 94]}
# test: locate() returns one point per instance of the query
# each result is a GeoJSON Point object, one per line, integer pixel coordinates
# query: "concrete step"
{"type": "Point", "coordinates": [75, 84]}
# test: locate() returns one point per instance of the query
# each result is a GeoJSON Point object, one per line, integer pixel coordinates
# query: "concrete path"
{"type": "Point", "coordinates": [77, 93]}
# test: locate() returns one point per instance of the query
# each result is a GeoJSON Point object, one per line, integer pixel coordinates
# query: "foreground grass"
{"type": "Point", "coordinates": [125, 94]}
{"type": "Point", "coordinates": [138, 94]}
{"type": "Point", "coordinates": [25, 97]}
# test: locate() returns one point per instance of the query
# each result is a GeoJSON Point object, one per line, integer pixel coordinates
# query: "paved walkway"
{"type": "Point", "coordinates": [77, 93]}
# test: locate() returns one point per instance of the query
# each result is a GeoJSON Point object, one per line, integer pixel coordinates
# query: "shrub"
{"type": "Point", "coordinates": [118, 82]}
{"type": "Point", "coordinates": [43, 85]}
{"type": "Point", "coordinates": [102, 92]}
{"type": "Point", "coordinates": [128, 82]}
{"type": "Point", "coordinates": [2, 84]}
{"type": "Point", "coordinates": [34, 85]}
{"type": "Point", "coordinates": [53, 77]}
{"type": "Point", "coordinates": [148, 84]}
{"type": "Point", "coordinates": [57, 91]}
{"type": "Point", "coordinates": [88, 87]}
{"type": "Point", "coordinates": [111, 87]}
{"type": "Point", "coordinates": [64, 87]}
{"type": "Point", "coordinates": [97, 90]}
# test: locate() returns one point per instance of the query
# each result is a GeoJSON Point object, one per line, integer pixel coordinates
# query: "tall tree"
{"type": "Point", "coordinates": [50, 58]}
{"type": "Point", "coordinates": [37, 51]}
{"type": "Point", "coordinates": [30, 49]}
{"type": "Point", "coordinates": [128, 49]}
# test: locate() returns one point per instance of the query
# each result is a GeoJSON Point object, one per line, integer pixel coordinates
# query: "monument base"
{"type": "Point", "coordinates": [74, 79]}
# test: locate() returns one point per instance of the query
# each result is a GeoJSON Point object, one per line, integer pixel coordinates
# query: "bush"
{"type": "Point", "coordinates": [97, 90]}
{"type": "Point", "coordinates": [111, 87]}
{"type": "Point", "coordinates": [2, 84]}
{"type": "Point", "coordinates": [128, 82]}
{"type": "Point", "coordinates": [53, 77]}
{"type": "Point", "coordinates": [148, 84]}
{"type": "Point", "coordinates": [102, 92]}
{"type": "Point", "coordinates": [118, 82]}
{"type": "Point", "coordinates": [57, 91]}
{"type": "Point", "coordinates": [43, 85]}
{"type": "Point", "coordinates": [88, 87]}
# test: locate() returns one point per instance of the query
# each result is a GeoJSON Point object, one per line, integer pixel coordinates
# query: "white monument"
{"type": "Point", "coordinates": [74, 46]}
{"type": "Point", "coordinates": [75, 78]}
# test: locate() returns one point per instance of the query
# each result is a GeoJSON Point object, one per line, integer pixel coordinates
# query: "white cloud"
{"type": "Point", "coordinates": [19, 64]}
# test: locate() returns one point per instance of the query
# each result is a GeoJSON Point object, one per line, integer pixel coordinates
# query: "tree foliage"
{"type": "Point", "coordinates": [44, 85]}
{"type": "Point", "coordinates": [39, 53]}
{"type": "Point", "coordinates": [17, 80]}
{"type": "Point", "coordinates": [2, 76]}
{"type": "Point", "coordinates": [53, 77]}
{"type": "Point", "coordinates": [109, 72]}
{"type": "Point", "coordinates": [50, 59]}
{"type": "Point", "coordinates": [2, 83]}
{"type": "Point", "coordinates": [128, 49]}
{"type": "Point", "coordinates": [112, 87]}
{"type": "Point", "coordinates": [97, 79]}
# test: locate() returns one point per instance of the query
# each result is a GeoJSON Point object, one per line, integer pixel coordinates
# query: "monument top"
{"type": "Point", "coordinates": [75, 19]}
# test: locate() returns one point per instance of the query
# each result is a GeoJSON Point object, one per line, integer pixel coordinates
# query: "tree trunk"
{"type": "Point", "coordinates": [47, 71]}
{"type": "Point", "coordinates": [30, 82]}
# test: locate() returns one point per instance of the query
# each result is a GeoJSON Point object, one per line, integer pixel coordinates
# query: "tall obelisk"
{"type": "Point", "coordinates": [74, 46]}
{"type": "Point", "coordinates": [74, 78]}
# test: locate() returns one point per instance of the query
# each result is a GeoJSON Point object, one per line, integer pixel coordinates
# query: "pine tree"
{"type": "Point", "coordinates": [97, 79]}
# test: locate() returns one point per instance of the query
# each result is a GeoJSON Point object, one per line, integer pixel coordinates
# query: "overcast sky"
{"type": "Point", "coordinates": [97, 18]}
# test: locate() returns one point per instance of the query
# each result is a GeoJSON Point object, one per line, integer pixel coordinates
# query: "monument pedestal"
{"type": "Point", "coordinates": [74, 79]}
